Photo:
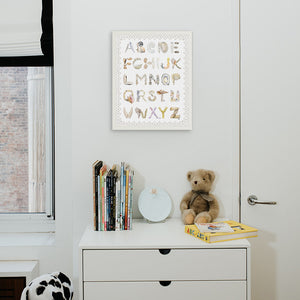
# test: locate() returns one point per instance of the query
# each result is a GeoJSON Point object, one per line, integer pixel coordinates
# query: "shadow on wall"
{"type": "Point", "coordinates": [222, 209]}
{"type": "Point", "coordinates": [263, 257]}
{"type": "Point", "coordinates": [139, 185]}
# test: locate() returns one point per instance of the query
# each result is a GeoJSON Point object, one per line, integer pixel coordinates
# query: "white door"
{"type": "Point", "coordinates": [270, 39]}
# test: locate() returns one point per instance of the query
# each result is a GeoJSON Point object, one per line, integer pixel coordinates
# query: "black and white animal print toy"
{"type": "Point", "coordinates": [54, 286]}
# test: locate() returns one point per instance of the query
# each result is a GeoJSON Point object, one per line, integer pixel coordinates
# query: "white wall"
{"type": "Point", "coordinates": [83, 112]}
{"type": "Point", "coordinates": [159, 157]}
{"type": "Point", "coordinates": [58, 256]}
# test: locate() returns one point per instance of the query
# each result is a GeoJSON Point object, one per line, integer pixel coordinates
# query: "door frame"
{"type": "Point", "coordinates": [236, 122]}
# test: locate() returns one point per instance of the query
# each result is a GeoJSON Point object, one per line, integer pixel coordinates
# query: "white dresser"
{"type": "Point", "coordinates": [160, 261]}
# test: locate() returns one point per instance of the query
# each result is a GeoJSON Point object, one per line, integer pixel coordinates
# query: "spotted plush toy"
{"type": "Point", "coordinates": [54, 286]}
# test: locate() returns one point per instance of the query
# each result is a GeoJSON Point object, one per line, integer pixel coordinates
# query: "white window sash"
{"type": "Point", "coordinates": [40, 140]}
{"type": "Point", "coordinates": [49, 202]}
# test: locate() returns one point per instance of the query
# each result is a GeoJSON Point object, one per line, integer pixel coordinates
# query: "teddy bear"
{"type": "Point", "coordinates": [198, 205]}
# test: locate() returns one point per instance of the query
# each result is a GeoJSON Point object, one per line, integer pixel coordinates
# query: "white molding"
{"type": "Point", "coordinates": [19, 268]}
{"type": "Point", "coordinates": [236, 113]}
{"type": "Point", "coordinates": [49, 142]}
{"type": "Point", "coordinates": [26, 223]}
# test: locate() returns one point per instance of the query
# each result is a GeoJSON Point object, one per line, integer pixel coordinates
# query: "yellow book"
{"type": "Point", "coordinates": [240, 231]}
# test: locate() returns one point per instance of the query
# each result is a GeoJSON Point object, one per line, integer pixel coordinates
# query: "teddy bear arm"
{"type": "Point", "coordinates": [213, 208]}
{"type": "Point", "coordinates": [185, 201]}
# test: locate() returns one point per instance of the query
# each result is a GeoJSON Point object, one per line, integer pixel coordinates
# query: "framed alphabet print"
{"type": "Point", "coordinates": [152, 80]}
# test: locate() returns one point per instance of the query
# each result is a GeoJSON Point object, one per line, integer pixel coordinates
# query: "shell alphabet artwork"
{"type": "Point", "coordinates": [152, 75]}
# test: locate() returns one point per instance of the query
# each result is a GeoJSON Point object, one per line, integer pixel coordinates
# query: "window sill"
{"type": "Point", "coordinates": [26, 223]}
{"type": "Point", "coordinates": [26, 239]}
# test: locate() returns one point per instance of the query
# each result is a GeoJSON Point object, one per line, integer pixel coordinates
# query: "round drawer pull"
{"type": "Point", "coordinates": [165, 283]}
{"type": "Point", "coordinates": [164, 251]}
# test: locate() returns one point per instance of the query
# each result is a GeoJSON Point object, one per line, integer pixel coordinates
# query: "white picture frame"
{"type": "Point", "coordinates": [152, 80]}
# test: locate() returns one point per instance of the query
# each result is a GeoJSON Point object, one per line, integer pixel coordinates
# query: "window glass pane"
{"type": "Point", "coordinates": [24, 92]}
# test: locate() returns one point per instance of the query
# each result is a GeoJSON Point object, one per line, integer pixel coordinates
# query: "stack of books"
{"type": "Point", "coordinates": [112, 197]}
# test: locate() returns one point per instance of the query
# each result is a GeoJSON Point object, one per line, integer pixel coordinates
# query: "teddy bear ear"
{"type": "Point", "coordinates": [211, 175]}
{"type": "Point", "coordinates": [189, 175]}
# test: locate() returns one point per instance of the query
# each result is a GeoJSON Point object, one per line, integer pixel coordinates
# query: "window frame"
{"type": "Point", "coordinates": [39, 222]}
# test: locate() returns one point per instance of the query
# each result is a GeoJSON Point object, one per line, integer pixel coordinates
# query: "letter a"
{"type": "Point", "coordinates": [129, 46]}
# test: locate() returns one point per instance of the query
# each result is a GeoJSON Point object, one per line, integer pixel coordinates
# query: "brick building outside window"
{"type": "Point", "coordinates": [24, 126]}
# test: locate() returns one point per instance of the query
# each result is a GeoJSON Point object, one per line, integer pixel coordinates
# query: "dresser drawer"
{"type": "Point", "coordinates": [178, 264]}
{"type": "Point", "coordinates": [177, 290]}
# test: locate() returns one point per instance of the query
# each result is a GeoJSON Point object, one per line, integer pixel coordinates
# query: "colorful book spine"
{"type": "Point", "coordinates": [99, 202]}
{"type": "Point", "coordinates": [118, 198]}
{"type": "Point", "coordinates": [96, 170]}
{"type": "Point", "coordinates": [105, 203]}
{"type": "Point", "coordinates": [94, 192]}
{"type": "Point", "coordinates": [102, 202]}
{"type": "Point", "coordinates": [101, 198]}
{"type": "Point", "coordinates": [96, 201]}
{"type": "Point", "coordinates": [126, 199]}
{"type": "Point", "coordinates": [131, 199]}
{"type": "Point", "coordinates": [129, 208]}
{"type": "Point", "coordinates": [196, 233]}
{"type": "Point", "coordinates": [113, 202]}
{"type": "Point", "coordinates": [121, 195]}
{"type": "Point", "coordinates": [108, 196]}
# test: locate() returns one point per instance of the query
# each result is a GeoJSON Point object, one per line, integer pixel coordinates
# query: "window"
{"type": "Point", "coordinates": [26, 143]}
{"type": "Point", "coordinates": [26, 117]}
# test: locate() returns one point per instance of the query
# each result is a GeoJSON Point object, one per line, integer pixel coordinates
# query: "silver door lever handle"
{"type": "Point", "coordinates": [252, 200]}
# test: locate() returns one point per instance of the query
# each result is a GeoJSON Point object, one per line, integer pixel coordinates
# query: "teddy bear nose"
{"type": "Point", "coordinates": [195, 182]}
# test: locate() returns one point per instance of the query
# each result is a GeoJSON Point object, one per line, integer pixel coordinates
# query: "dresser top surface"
{"type": "Point", "coordinates": [144, 235]}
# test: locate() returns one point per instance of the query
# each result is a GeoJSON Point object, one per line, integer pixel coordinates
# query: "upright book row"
{"type": "Point", "coordinates": [112, 197]}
